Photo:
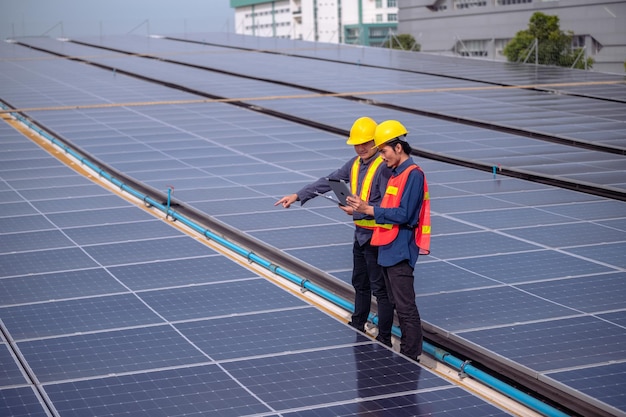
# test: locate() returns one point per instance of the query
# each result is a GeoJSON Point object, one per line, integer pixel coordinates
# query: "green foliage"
{"type": "Point", "coordinates": [554, 45]}
{"type": "Point", "coordinates": [403, 41]}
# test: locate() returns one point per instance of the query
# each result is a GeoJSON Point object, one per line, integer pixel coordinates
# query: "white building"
{"type": "Point", "coordinates": [364, 22]}
{"type": "Point", "coordinates": [481, 28]}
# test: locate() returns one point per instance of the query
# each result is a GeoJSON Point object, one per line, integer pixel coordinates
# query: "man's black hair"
{"type": "Point", "coordinates": [405, 145]}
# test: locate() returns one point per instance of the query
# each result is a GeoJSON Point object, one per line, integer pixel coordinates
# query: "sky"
{"type": "Point", "coordinates": [67, 18]}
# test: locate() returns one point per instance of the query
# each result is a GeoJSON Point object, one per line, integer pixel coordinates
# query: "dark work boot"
{"type": "Point", "coordinates": [360, 328]}
{"type": "Point", "coordinates": [384, 342]}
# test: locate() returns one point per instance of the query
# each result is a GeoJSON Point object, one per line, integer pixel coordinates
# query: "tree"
{"type": "Point", "coordinates": [554, 47]}
{"type": "Point", "coordinates": [403, 41]}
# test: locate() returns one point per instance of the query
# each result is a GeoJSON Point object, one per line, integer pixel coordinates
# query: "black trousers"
{"type": "Point", "coordinates": [368, 279]}
{"type": "Point", "coordinates": [399, 279]}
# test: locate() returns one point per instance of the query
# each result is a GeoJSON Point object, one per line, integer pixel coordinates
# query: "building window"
{"type": "Point", "coordinates": [392, 3]}
{"type": "Point", "coordinates": [467, 4]}
{"type": "Point", "coordinates": [509, 2]}
{"type": "Point", "coordinates": [352, 32]}
{"type": "Point", "coordinates": [392, 17]}
{"type": "Point", "coordinates": [473, 48]}
{"type": "Point", "coordinates": [379, 18]}
{"type": "Point", "coordinates": [380, 32]}
{"type": "Point", "coordinates": [379, 4]}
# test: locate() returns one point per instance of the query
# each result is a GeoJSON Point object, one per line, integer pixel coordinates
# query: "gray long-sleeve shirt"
{"type": "Point", "coordinates": [379, 182]}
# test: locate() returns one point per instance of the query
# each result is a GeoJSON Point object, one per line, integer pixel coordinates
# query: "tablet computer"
{"type": "Point", "coordinates": [341, 190]}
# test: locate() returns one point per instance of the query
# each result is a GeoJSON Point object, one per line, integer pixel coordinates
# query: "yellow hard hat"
{"type": "Point", "coordinates": [388, 130]}
{"type": "Point", "coordinates": [362, 131]}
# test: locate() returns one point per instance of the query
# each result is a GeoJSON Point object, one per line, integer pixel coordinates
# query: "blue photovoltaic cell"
{"type": "Point", "coordinates": [10, 196]}
{"type": "Point", "coordinates": [223, 192]}
{"type": "Point", "coordinates": [466, 203]}
{"type": "Point", "coordinates": [10, 373]}
{"type": "Point", "coordinates": [198, 390]}
{"type": "Point", "coordinates": [486, 307]}
{"type": "Point", "coordinates": [21, 402]}
{"type": "Point", "coordinates": [435, 277]}
{"type": "Point", "coordinates": [16, 209]}
{"type": "Point", "coordinates": [39, 163]}
{"type": "Point", "coordinates": [81, 356]}
{"type": "Point", "coordinates": [89, 190]}
{"type": "Point", "coordinates": [262, 178]}
{"type": "Point", "coordinates": [120, 232]}
{"type": "Point", "coordinates": [558, 344]}
{"type": "Point", "coordinates": [328, 209]}
{"type": "Point", "coordinates": [248, 205]}
{"type": "Point", "coordinates": [530, 266]}
{"type": "Point", "coordinates": [504, 219]}
{"type": "Point", "coordinates": [306, 236]}
{"type": "Point", "coordinates": [171, 273]}
{"type": "Point", "coordinates": [618, 317]}
{"type": "Point", "coordinates": [73, 316]}
{"type": "Point", "coordinates": [327, 258]}
{"type": "Point", "coordinates": [616, 224]}
{"type": "Point", "coordinates": [48, 239]}
{"type": "Point", "coordinates": [325, 376]}
{"type": "Point", "coordinates": [24, 223]}
{"type": "Point", "coordinates": [99, 216]}
{"type": "Point", "coordinates": [565, 235]}
{"type": "Point", "coordinates": [219, 299]}
{"type": "Point", "coordinates": [452, 402]}
{"type": "Point", "coordinates": [288, 218]}
{"type": "Point", "coordinates": [604, 382]}
{"type": "Point", "coordinates": [147, 250]}
{"type": "Point", "coordinates": [610, 253]}
{"type": "Point", "coordinates": [476, 244]}
{"type": "Point", "coordinates": [591, 295]}
{"type": "Point", "coordinates": [95, 202]}
{"type": "Point", "coordinates": [56, 286]}
{"type": "Point", "coordinates": [501, 185]}
{"type": "Point", "coordinates": [130, 167]}
{"type": "Point", "coordinates": [444, 225]}
{"type": "Point", "coordinates": [247, 169]}
{"type": "Point", "coordinates": [62, 183]}
{"type": "Point", "coordinates": [44, 261]}
{"type": "Point", "coordinates": [61, 172]}
{"type": "Point", "coordinates": [267, 333]}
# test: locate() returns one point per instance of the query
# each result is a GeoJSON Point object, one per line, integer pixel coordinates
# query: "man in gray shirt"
{"type": "Point", "coordinates": [368, 177]}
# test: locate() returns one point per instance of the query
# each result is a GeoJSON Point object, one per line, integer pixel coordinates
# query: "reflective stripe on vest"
{"type": "Point", "coordinates": [366, 186]}
{"type": "Point", "coordinates": [422, 234]}
{"type": "Point", "coordinates": [391, 199]}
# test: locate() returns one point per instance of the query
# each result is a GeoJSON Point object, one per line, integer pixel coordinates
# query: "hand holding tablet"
{"type": "Point", "coordinates": [341, 190]}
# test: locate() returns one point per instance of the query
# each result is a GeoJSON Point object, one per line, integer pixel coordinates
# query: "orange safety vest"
{"type": "Point", "coordinates": [393, 195]}
{"type": "Point", "coordinates": [366, 187]}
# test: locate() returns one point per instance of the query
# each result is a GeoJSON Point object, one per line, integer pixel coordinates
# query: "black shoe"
{"type": "Point", "coordinates": [359, 328]}
{"type": "Point", "coordinates": [384, 342]}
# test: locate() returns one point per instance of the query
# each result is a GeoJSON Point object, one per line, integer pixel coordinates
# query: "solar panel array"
{"type": "Point", "coordinates": [114, 312]}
